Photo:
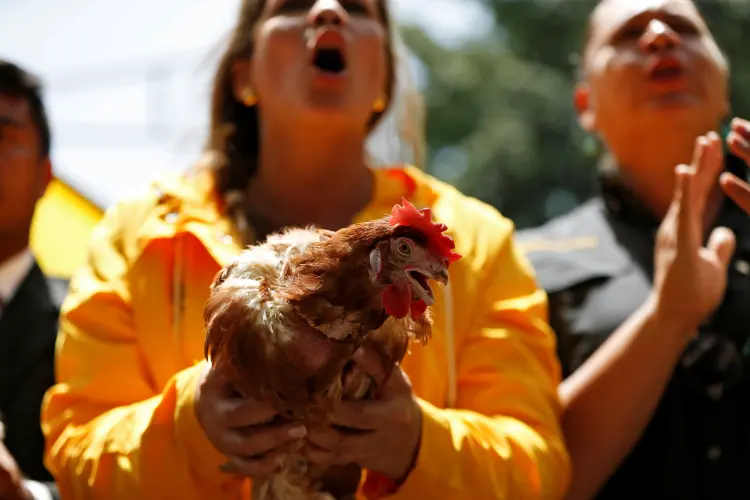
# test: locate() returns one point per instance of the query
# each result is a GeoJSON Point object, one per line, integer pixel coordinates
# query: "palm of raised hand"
{"type": "Point", "coordinates": [690, 279]}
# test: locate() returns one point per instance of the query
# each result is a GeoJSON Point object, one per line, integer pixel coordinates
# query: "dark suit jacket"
{"type": "Point", "coordinates": [28, 329]}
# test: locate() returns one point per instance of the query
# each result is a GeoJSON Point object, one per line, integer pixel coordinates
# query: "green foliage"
{"type": "Point", "coordinates": [500, 119]}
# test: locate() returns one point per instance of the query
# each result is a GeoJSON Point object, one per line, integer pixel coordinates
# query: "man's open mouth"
{"type": "Point", "coordinates": [665, 69]}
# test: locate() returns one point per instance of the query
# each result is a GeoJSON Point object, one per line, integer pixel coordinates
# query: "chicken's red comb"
{"type": "Point", "coordinates": [421, 220]}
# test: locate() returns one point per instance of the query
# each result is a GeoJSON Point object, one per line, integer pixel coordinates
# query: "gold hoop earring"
{"type": "Point", "coordinates": [249, 98]}
{"type": "Point", "coordinates": [379, 105]}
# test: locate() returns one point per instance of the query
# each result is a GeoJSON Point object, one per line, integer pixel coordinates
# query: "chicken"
{"type": "Point", "coordinates": [284, 319]}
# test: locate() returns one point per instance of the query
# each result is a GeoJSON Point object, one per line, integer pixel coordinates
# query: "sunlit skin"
{"type": "Point", "coordinates": [655, 91]}
{"type": "Point", "coordinates": [654, 80]}
{"type": "Point", "coordinates": [313, 124]}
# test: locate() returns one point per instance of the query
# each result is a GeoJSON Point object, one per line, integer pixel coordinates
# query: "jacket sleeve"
{"type": "Point", "coordinates": [502, 439]}
{"type": "Point", "coordinates": [110, 433]}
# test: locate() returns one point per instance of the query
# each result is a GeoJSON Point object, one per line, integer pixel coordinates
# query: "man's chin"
{"type": "Point", "coordinates": [671, 102]}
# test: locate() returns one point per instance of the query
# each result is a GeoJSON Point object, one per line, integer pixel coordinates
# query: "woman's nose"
{"type": "Point", "coordinates": [327, 13]}
{"type": "Point", "coordinates": [659, 36]}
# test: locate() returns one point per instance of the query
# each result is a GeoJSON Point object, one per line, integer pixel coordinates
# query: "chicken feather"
{"type": "Point", "coordinates": [284, 319]}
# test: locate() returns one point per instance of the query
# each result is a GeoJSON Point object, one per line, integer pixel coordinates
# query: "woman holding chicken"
{"type": "Point", "coordinates": [138, 413]}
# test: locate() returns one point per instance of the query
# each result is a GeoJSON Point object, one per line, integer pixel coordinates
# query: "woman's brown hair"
{"type": "Point", "coordinates": [234, 127]}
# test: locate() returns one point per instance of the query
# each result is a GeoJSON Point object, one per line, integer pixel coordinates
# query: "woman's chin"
{"type": "Point", "coordinates": [331, 108]}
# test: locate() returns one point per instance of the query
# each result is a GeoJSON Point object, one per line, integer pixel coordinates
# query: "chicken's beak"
{"type": "Point", "coordinates": [441, 276]}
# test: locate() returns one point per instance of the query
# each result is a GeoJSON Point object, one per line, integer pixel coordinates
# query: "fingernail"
{"type": "Point", "coordinates": [298, 432]}
{"type": "Point", "coordinates": [738, 141]}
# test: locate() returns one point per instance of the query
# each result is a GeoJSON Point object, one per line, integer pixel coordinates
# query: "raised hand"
{"type": "Point", "coordinates": [739, 143]}
{"type": "Point", "coordinates": [690, 278]}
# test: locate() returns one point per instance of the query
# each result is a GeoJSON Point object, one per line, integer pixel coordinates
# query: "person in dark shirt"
{"type": "Point", "coordinates": [649, 282]}
{"type": "Point", "coordinates": [29, 301]}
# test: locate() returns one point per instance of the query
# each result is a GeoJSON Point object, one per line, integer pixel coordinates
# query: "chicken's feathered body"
{"type": "Point", "coordinates": [284, 319]}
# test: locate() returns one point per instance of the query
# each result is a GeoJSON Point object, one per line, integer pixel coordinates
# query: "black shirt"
{"type": "Point", "coordinates": [596, 264]}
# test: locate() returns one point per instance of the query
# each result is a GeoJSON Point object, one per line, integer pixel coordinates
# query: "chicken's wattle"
{"type": "Point", "coordinates": [398, 302]}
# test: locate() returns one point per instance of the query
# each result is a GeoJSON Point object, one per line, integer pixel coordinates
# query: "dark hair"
{"type": "Point", "coordinates": [19, 83]}
{"type": "Point", "coordinates": [234, 127]}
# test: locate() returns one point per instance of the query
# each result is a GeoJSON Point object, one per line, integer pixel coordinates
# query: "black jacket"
{"type": "Point", "coordinates": [596, 264]}
{"type": "Point", "coordinates": [28, 329]}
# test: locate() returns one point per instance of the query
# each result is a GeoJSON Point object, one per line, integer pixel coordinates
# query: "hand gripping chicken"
{"type": "Point", "coordinates": [284, 319]}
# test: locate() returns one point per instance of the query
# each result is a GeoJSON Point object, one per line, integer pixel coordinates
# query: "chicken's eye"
{"type": "Point", "coordinates": [403, 247]}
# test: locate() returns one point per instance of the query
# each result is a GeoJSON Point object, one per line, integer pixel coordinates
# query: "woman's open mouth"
{"type": "Point", "coordinates": [329, 60]}
{"type": "Point", "coordinates": [328, 52]}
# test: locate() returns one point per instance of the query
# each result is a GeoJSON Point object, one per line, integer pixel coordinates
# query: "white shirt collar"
{"type": "Point", "coordinates": [12, 273]}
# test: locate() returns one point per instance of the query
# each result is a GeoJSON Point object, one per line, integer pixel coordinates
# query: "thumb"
{"type": "Point", "coordinates": [722, 241]}
{"type": "Point", "coordinates": [372, 363]}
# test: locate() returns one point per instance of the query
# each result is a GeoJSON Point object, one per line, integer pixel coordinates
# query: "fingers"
{"type": "Point", "coordinates": [241, 412]}
{"type": "Point", "coordinates": [363, 415]}
{"type": "Point", "coordinates": [335, 447]}
{"type": "Point", "coordinates": [371, 415]}
{"type": "Point", "coordinates": [722, 241]}
{"type": "Point", "coordinates": [684, 205]}
{"type": "Point", "coordinates": [231, 407]}
{"type": "Point", "coordinates": [387, 374]}
{"type": "Point", "coordinates": [693, 187]}
{"type": "Point", "coordinates": [737, 189]}
{"type": "Point", "coordinates": [739, 139]}
{"type": "Point", "coordinates": [255, 467]}
{"type": "Point", "coordinates": [243, 429]}
{"type": "Point", "coordinates": [708, 163]}
{"type": "Point", "coordinates": [321, 456]}
{"type": "Point", "coordinates": [259, 452]}
{"type": "Point", "coordinates": [372, 363]}
{"type": "Point", "coordinates": [256, 441]}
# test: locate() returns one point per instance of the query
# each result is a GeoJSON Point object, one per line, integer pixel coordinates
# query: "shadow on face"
{"type": "Point", "coordinates": [24, 171]}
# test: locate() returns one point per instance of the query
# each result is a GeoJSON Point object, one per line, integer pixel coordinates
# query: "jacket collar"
{"type": "Point", "coordinates": [189, 203]}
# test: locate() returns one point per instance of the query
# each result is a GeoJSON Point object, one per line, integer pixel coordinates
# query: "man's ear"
{"type": "Point", "coordinates": [581, 100]}
{"type": "Point", "coordinates": [242, 78]}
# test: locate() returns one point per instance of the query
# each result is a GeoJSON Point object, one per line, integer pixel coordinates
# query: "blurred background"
{"type": "Point", "coordinates": [127, 86]}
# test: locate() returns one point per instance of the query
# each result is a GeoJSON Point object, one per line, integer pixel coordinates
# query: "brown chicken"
{"type": "Point", "coordinates": [284, 319]}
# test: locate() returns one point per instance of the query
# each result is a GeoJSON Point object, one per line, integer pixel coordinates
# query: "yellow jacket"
{"type": "Point", "coordinates": [120, 423]}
